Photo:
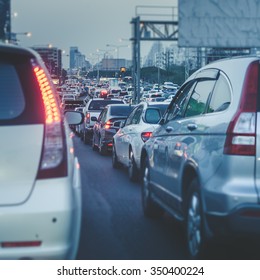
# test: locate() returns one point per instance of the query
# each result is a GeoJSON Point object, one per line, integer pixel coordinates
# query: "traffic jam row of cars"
{"type": "Point", "coordinates": [197, 156]}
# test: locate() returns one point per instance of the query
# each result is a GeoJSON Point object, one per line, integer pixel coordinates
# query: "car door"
{"type": "Point", "coordinates": [99, 125]}
{"type": "Point", "coordinates": [127, 134]}
{"type": "Point", "coordinates": [119, 145]}
{"type": "Point", "coordinates": [180, 138]}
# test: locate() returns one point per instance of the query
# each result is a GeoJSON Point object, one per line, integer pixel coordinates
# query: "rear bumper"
{"type": "Point", "coordinates": [107, 140]}
{"type": "Point", "coordinates": [242, 221]}
{"type": "Point", "coordinates": [88, 132]}
{"type": "Point", "coordinates": [51, 215]}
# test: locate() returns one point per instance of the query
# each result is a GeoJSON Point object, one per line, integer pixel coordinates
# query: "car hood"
{"type": "Point", "coordinates": [20, 154]}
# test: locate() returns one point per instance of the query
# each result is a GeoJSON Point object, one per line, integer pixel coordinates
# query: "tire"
{"type": "Point", "coordinates": [132, 168]}
{"type": "Point", "coordinates": [115, 162]}
{"type": "Point", "coordinates": [150, 209]}
{"type": "Point", "coordinates": [195, 223]}
{"type": "Point", "coordinates": [94, 147]}
{"type": "Point", "coordinates": [85, 139]}
{"type": "Point", "coordinates": [102, 150]}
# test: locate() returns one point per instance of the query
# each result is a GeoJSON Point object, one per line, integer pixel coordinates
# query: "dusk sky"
{"type": "Point", "coordinates": [87, 24]}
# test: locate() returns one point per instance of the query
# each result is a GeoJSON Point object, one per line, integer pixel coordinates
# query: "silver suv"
{"type": "Point", "coordinates": [202, 163]}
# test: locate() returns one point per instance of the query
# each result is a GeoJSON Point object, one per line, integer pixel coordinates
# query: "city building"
{"type": "Point", "coordinates": [78, 60]}
{"type": "Point", "coordinates": [52, 58]}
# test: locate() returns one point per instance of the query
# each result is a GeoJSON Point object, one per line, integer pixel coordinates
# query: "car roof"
{"type": "Point", "coordinates": [8, 48]}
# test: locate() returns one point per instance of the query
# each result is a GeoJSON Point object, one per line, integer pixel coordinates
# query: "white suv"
{"type": "Point", "coordinates": [40, 186]}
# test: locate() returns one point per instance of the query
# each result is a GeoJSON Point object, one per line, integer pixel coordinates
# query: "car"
{"type": "Point", "coordinates": [202, 163]}
{"type": "Point", "coordinates": [40, 193]}
{"type": "Point", "coordinates": [107, 124]}
{"type": "Point", "coordinates": [129, 139]}
{"type": "Point", "coordinates": [76, 128]}
{"type": "Point", "coordinates": [92, 110]}
{"type": "Point", "coordinates": [68, 96]}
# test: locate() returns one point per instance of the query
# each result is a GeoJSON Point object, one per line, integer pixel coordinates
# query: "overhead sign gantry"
{"type": "Point", "coordinates": [151, 30]}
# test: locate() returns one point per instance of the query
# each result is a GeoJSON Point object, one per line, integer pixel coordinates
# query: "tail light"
{"type": "Point", "coordinates": [241, 133]}
{"type": "Point", "coordinates": [146, 135]}
{"type": "Point", "coordinates": [108, 124]}
{"type": "Point", "coordinates": [53, 155]}
{"type": "Point", "coordinates": [87, 118]}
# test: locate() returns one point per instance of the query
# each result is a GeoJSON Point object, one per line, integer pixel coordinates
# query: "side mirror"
{"type": "Point", "coordinates": [74, 117]}
{"type": "Point", "coordinates": [152, 115]}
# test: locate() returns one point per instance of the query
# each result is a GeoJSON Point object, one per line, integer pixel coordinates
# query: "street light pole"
{"type": "Point", "coordinates": [105, 57]}
{"type": "Point", "coordinates": [14, 39]}
{"type": "Point", "coordinates": [117, 50]}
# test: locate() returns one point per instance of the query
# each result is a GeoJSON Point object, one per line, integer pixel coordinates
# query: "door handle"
{"type": "Point", "coordinates": [192, 126]}
{"type": "Point", "coordinates": [169, 129]}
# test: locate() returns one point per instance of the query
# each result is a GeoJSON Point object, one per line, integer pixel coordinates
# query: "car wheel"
{"type": "Point", "coordinates": [94, 147]}
{"type": "Point", "coordinates": [115, 162]}
{"type": "Point", "coordinates": [150, 209]}
{"type": "Point", "coordinates": [195, 232]}
{"type": "Point", "coordinates": [81, 135]}
{"type": "Point", "coordinates": [85, 139]}
{"type": "Point", "coordinates": [132, 168]}
{"type": "Point", "coordinates": [102, 150]}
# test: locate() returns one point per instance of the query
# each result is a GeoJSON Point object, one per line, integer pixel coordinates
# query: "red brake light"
{"type": "Point", "coordinates": [241, 136]}
{"type": "Point", "coordinates": [146, 135]}
{"type": "Point", "coordinates": [53, 160]}
{"type": "Point", "coordinates": [88, 118]}
{"type": "Point", "coordinates": [108, 124]}
{"type": "Point", "coordinates": [52, 112]}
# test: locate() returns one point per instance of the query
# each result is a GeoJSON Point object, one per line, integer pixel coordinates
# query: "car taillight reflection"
{"type": "Point", "coordinates": [21, 244]}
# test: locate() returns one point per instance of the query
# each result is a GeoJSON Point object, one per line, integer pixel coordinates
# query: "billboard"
{"type": "Point", "coordinates": [219, 23]}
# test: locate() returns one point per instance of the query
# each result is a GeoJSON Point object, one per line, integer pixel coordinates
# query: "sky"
{"type": "Point", "coordinates": [87, 24]}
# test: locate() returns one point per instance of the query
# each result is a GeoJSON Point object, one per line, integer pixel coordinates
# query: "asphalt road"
{"type": "Point", "coordinates": [114, 227]}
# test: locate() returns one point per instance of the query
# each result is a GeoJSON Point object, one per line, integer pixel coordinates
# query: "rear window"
{"type": "Point", "coordinates": [20, 98]}
{"type": "Point", "coordinates": [161, 107]}
{"type": "Point", "coordinates": [12, 102]}
{"type": "Point", "coordinates": [121, 110]}
{"type": "Point", "coordinates": [97, 105]}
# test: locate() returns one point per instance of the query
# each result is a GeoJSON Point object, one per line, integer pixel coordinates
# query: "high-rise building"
{"type": "Point", "coordinates": [77, 59]}
{"type": "Point", "coordinates": [52, 58]}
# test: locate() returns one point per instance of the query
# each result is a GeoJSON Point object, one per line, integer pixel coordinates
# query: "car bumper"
{"type": "Point", "coordinates": [107, 140]}
{"type": "Point", "coordinates": [51, 216]}
{"type": "Point", "coordinates": [243, 220]}
{"type": "Point", "coordinates": [89, 132]}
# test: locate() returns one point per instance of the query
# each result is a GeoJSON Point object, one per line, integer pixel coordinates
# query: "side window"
{"type": "Point", "coordinates": [103, 116]}
{"type": "Point", "coordinates": [198, 100]}
{"type": "Point", "coordinates": [221, 96]}
{"type": "Point", "coordinates": [177, 109]}
{"type": "Point", "coordinates": [137, 115]}
{"type": "Point", "coordinates": [100, 116]}
{"type": "Point", "coordinates": [130, 117]}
